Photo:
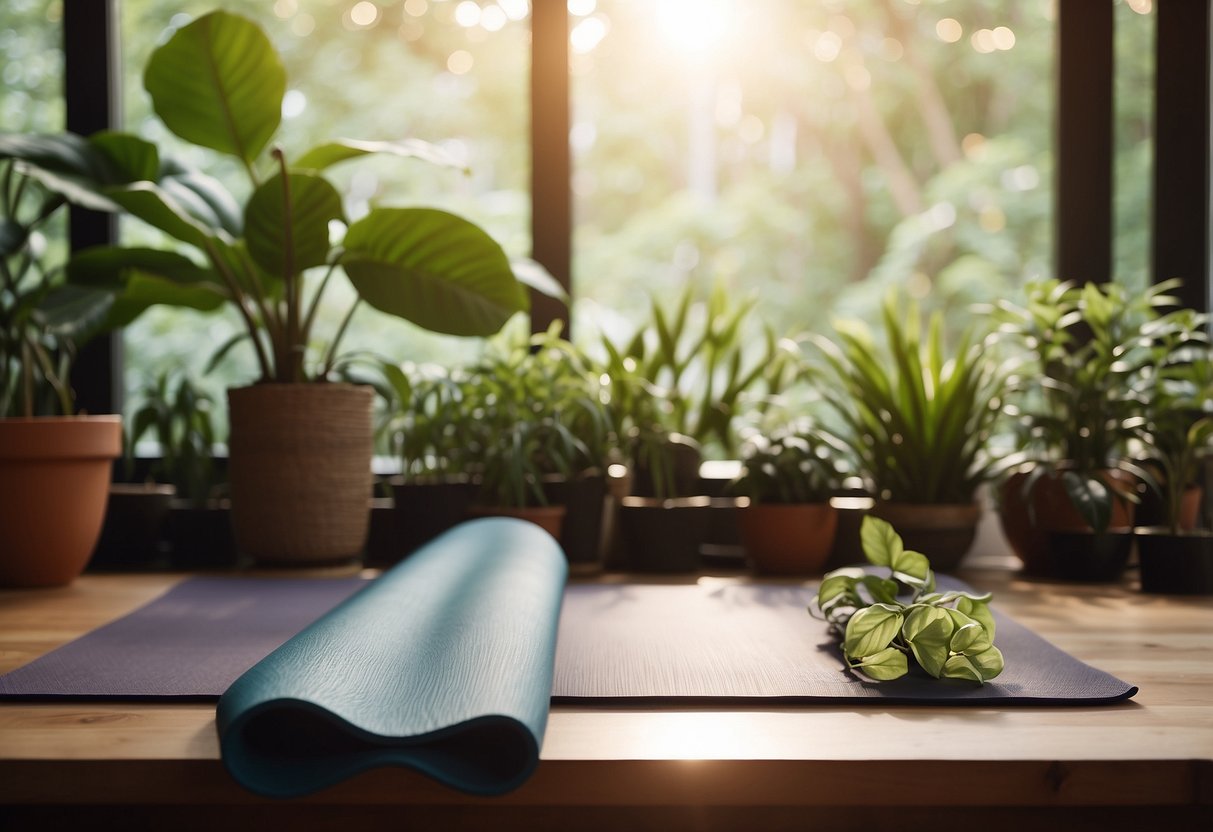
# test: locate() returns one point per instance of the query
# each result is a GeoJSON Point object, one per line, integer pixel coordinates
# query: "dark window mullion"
{"type": "Point", "coordinates": [551, 162]}
{"type": "Point", "coordinates": [91, 73]}
{"type": "Point", "coordinates": [1180, 240]}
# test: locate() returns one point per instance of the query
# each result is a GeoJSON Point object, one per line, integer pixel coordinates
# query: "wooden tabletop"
{"type": "Point", "coordinates": [1148, 760]}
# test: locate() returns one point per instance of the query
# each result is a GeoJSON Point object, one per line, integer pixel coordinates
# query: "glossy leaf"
{"type": "Point", "coordinates": [884, 665]}
{"type": "Point", "coordinates": [871, 629]}
{"type": "Point", "coordinates": [218, 83]}
{"type": "Point", "coordinates": [881, 544]}
{"type": "Point", "coordinates": [280, 242]}
{"type": "Point", "coordinates": [160, 209]}
{"type": "Point", "coordinates": [330, 153]}
{"type": "Point", "coordinates": [928, 631]}
{"type": "Point", "coordinates": [433, 268]}
{"type": "Point", "coordinates": [131, 157]}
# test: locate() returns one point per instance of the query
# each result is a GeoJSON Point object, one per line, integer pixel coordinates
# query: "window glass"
{"type": "Point", "coordinates": [437, 70]}
{"type": "Point", "coordinates": [1135, 26]}
{"type": "Point", "coordinates": [814, 153]}
{"type": "Point", "coordinates": [31, 91]}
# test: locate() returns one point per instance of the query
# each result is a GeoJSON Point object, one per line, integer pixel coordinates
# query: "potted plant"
{"type": "Point", "coordinates": [536, 422]}
{"type": "Point", "coordinates": [300, 444]}
{"type": "Point", "coordinates": [1177, 557]}
{"type": "Point", "coordinates": [522, 431]}
{"type": "Point", "coordinates": [180, 417]}
{"type": "Point", "coordinates": [1079, 403]}
{"type": "Point", "coordinates": [679, 386]}
{"type": "Point", "coordinates": [787, 522]}
{"type": "Point", "coordinates": [54, 465]}
{"type": "Point", "coordinates": [918, 418]}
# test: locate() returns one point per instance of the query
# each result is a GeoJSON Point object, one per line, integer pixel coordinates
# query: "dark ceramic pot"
{"type": "Point", "coordinates": [663, 535]}
{"type": "Point", "coordinates": [1088, 557]}
{"type": "Point", "coordinates": [942, 532]}
{"type": "Point", "coordinates": [200, 536]}
{"type": "Point", "coordinates": [1175, 564]}
{"type": "Point", "coordinates": [584, 499]}
{"type": "Point", "coordinates": [135, 516]}
{"type": "Point", "coordinates": [425, 510]}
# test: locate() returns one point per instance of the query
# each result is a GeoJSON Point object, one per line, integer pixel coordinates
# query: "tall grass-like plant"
{"type": "Point", "coordinates": [918, 417]}
{"type": "Point", "coordinates": [800, 464]}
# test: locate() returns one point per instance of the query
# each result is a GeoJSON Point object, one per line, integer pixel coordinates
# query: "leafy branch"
{"type": "Point", "coordinates": [949, 634]}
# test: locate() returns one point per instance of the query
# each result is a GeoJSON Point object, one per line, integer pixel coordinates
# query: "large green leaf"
{"type": "Point", "coordinates": [208, 199]}
{"type": "Point", "coordinates": [138, 278]}
{"type": "Point", "coordinates": [65, 163]}
{"type": "Point", "coordinates": [75, 312]}
{"type": "Point", "coordinates": [330, 153]}
{"type": "Point", "coordinates": [161, 209]}
{"type": "Point", "coordinates": [131, 158]}
{"type": "Point", "coordinates": [218, 83]}
{"type": "Point", "coordinates": [433, 268]}
{"type": "Point", "coordinates": [282, 244]}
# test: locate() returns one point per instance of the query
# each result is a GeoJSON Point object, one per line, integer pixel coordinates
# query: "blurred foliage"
{"type": "Point", "coordinates": [819, 152]}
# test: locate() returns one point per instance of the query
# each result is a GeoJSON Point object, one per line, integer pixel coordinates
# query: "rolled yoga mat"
{"type": "Point", "coordinates": [444, 664]}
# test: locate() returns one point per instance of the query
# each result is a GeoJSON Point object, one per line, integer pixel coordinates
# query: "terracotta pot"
{"type": "Point", "coordinates": [788, 539]}
{"type": "Point", "coordinates": [942, 532]}
{"type": "Point", "coordinates": [54, 484]}
{"type": "Point", "coordinates": [300, 471]}
{"type": "Point", "coordinates": [548, 518]}
{"type": "Point", "coordinates": [1027, 520]}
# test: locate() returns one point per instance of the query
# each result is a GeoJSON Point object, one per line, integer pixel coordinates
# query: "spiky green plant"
{"type": "Point", "coordinates": [917, 417]}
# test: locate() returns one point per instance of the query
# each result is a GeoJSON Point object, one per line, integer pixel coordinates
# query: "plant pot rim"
{"type": "Point", "coordinates": [633, 501]}
{"type": "Point", "coordinates": [1165, 531]}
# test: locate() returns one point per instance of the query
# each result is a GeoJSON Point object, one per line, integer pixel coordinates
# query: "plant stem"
{"type": "Point", "coordinates": [238, 297]}
{"type": "Point", "coordinates": [292, 282]}
{"type": "Point", "coordinates": [330, 357]}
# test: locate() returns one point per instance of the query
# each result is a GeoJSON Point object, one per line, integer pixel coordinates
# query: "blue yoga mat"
{"type": "Point", "coordinates": [443, 664]}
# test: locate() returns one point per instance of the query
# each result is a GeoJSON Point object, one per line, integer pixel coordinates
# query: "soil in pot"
{"type": "Point", "coordinates": [788, 539]}
{"type": "Point", "coordinates": [1175, 564]}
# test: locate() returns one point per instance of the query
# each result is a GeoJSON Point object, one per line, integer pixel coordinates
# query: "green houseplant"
{"type": "Point", "coordinates": [680, 386]}
{"type": "Point", "coordinates": [788, 477]}
{"type": "Point", "coordinates": [1087, 379]}
{"type": "Point", "coordinates": [54, 464]}
{"type": "Point", "coordinates": [526, 427]}
{"type": "Point", "coordinates": [271, 257]}
{"type": "Point", "coordinates": [1177, 557]}
{"type": "Point", "coordinates": [918, 419]}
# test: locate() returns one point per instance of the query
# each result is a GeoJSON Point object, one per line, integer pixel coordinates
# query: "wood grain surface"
{"type": "Point", "coordinates": [1152, 754]}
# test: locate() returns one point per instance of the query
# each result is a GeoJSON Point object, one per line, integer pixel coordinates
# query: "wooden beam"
{"type": "Point", "coordinates": [91, 80]}
{"type": "Point", "coordinates": [551, 160]}
{"type": "Point", "coordinates": [1083, 219]}
{"type": "Point", "coordinates": [1181, 149]}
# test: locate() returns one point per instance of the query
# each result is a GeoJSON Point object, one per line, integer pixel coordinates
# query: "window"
{"type": "Point", "coordinates": [805, 152]}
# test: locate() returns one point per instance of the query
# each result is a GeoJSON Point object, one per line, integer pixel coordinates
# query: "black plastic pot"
{"type": "Point", "coordinates": [1090, 557]}
{"type": "Point", "coordinates": [425, 510]}
{"type": "Point", "coordinates": [1175, 564]}
{"type": "Point", "coordinates": [663, 535]}
{"type": "Point", "coordinates": [135, 515]}
{"type": "Point", "coordinates": [200, 536]}
{"type": "Point", "coordinates": [584, 499]}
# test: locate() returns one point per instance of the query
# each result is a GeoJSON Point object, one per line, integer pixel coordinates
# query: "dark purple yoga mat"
{"type": "Point", "coordinates": [716, 640]}
{"type": "Point", "coordinates": [190, 643]}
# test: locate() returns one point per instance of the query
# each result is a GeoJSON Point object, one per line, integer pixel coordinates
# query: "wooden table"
{"type": "Point", "coordinates": [1144, 764]}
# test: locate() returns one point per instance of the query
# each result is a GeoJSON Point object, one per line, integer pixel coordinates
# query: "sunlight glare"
{"type": "Point", "coordinates": [695, 26]}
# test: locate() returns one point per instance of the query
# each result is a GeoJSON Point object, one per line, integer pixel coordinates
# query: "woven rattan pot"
{"type": "Point", "coordinates": [300, 471]}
